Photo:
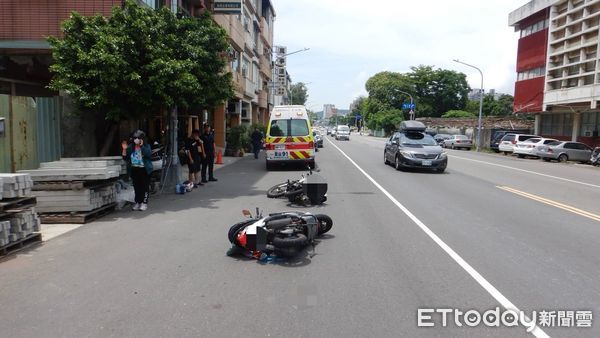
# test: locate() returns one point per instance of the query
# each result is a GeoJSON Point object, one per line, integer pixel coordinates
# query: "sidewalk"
{"type": "Point", "coordinates": [50, 231]}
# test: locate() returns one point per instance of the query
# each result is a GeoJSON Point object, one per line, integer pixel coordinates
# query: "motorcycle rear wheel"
{"type": "Point", "coordinates": [325, 223]}
{"type": "Point", "coordinates": [295, 241]}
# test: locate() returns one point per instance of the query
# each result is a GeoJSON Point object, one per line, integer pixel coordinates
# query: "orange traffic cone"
{"type": "Point", "coordinates": [219, 158]}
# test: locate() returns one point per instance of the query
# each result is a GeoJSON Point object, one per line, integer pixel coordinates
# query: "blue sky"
{"type": "Point", "coordinates": [351, 40]}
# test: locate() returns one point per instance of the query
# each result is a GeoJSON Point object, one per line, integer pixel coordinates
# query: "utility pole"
{"type": "Point", "coordinates": [479, 145]}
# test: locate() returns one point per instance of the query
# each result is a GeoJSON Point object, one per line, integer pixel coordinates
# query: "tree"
{"type": "Point", "coordinates": [141, 61]}
{"type": "Point", "coordinates": [458, 114]}
{"type": "Point", "coordinates": [503, 106]}
{"type": "Point", "coordinates": [298, 94]}
{"type": "Point", "coordinates": [439, 90]}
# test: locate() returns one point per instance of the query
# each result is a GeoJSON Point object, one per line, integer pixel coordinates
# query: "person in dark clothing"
{"type": "Point", "coordinates": [257, 140]}
{"type": "Point", "coordinates": [208, 137]}
{"type": "Point", "coordinates": [138, 157]}
{"type": "Point", "coordinates": [195, 151]}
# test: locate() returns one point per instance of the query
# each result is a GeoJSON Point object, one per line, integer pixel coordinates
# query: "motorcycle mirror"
{"type": "Point", "coordinates": [247, 213]}
{"type": "Point", "coordinates": [257, 212]}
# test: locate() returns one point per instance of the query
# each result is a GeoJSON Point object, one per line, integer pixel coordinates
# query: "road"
{"type": "Point", "coordinates": [490, 232]}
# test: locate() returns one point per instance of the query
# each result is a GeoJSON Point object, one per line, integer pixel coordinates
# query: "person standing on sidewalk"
{"type": "Point", "coordinates": [208, 137]}
{"type": "Point", "coordinates": [257, 141]}
{"type": "Point", "coordinates": [138, 157]}
{"type": "Point", "coordinates": [195, 152]}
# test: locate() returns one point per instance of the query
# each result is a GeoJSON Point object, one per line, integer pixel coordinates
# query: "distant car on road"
{"type": "Point", "coordinates": [507, 143]}
{"type": "Point", "coordinates": [563, 151]}
{"type": "Point", "coordinates": [411, 147]}
{"type": "Point", "coordinates": [333, 131]}
{"type": "Point", "coordinates": [342, 133]}
{"type": "Point", "coordinates": [440, 138]}
{"type": "Point", "coordinates": [458, 142]}
{"type": "Point", "coordinates": [528, 147]}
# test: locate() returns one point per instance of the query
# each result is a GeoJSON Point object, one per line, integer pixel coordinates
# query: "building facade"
{"type": "Point", "coordinates": [251, 39]}
{"type": "Point", "coordinates": [558, 73]}
{"type": "Point", "coordinates": [25, 53]}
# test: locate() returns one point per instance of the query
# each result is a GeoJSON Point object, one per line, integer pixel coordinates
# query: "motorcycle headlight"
{"type": "Point", "coordinates": [443, 155]}
{"type": "Point", "coordinates": [406, 154]}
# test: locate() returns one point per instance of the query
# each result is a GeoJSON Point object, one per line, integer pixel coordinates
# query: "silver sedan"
{"type": "Point", "coordinates": [458, 142]}
{"type": "Point", "coordinates": [565, 151]}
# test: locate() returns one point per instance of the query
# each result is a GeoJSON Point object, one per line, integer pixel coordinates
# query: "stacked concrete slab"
{"type": "Point", "coordinates": [15, 185]}
{"type": "Point", "coordinates": [19, 226]}
{"type": "Point", "coordinates": [76, 185]}
{"type": "Point", "coordinates": [18, 217]}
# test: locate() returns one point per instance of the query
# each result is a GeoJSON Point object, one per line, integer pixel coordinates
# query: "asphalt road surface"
{"type": "Point", "coordinates": [491, 232]}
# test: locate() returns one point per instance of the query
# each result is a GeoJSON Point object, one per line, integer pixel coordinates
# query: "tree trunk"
{"type": "Point", "coordinates": [109, 140]}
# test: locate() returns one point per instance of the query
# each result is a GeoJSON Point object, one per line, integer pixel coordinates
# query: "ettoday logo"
{"type": "Point", "coordinates": [506, 318]}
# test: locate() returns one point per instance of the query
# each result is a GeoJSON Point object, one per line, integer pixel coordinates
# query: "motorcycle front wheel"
{"type": "Point", "coordinates": [277, 190]}
{"type": "Point", "coordinates": [236, 228]}
{"type": "Point", "coordinates": [325, 223]}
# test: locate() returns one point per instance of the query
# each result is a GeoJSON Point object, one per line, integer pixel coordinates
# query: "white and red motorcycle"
{"type": "Point", "coordinates": [284, 234]}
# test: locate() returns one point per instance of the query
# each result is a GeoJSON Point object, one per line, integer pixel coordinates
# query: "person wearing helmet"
{"type": "Point", "coordinates": [138, 157]}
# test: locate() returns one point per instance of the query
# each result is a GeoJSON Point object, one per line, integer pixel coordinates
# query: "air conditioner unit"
{"type": "Point", "coordinates": [281, 50]}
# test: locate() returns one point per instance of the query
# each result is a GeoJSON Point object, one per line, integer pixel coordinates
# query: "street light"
{"type": "Point", "coordinates": [412, 112]}
{"type": "Point", "coordinates": [480, 103]}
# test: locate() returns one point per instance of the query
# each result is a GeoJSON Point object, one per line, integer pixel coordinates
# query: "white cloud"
{"type": "Point", "coordinates": [351, 40]}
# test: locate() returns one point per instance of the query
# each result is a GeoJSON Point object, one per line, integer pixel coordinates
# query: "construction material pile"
{"type": "Point", "coordinates": [76, 190]}
{"type": "Point", "coordinates": [19, 222]}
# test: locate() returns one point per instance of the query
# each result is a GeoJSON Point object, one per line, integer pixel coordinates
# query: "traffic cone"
{"type": "Point", "coordinates": [219, 158]}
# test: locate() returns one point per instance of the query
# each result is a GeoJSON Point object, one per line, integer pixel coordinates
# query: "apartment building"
{"type": "Point", "coordinates": [25, 54]}
{"type": "Point", "coordinates": [251, 38]}
{"type": "Point", "coordinates": [558, 73]}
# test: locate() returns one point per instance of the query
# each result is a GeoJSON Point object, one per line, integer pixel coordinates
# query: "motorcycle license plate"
{"type": "Point", "coordinates": [427, 163]}
{"type": "Point", "coordinates": [281, 154]}
{"type": "Point", "coordinates": [280, 147]}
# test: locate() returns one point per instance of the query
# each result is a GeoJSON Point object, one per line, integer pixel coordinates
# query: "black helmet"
{"type": "Point", "coordinates": [139, 134]}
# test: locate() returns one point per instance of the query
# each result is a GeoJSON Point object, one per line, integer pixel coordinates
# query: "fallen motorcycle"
{"type": "Point", "coordinates": [310, 189]}
{"type": "Point", "coordinates": [283, 234]}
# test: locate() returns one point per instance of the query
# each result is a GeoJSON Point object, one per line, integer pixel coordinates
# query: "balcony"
{"type": "Point", "coordinates": [250, 90]}
{"type": "Point", "coordinates": [239, 84]}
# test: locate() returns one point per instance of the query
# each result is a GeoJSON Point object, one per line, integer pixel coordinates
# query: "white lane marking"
{"type": "Point", "coordinates": [507, 304]}
{"type": "Point", "coordinates": [527, 171]}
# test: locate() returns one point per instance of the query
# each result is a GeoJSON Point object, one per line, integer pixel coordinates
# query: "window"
{"type": "Point", "coordinates": [417, 139]}
{"type": "Point", "coordinates": [235, 61]}
{"type": "Point", "coordinates": [531, 73]}
{"type": "Point", "coordinates": [289, 128]}
{"type": "Point", "coordinates": [534, 28]}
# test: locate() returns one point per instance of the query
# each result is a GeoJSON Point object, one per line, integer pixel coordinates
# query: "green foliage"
{"type": "Point", "coordinates": [141, 61]}
{"type": "Point", "coordinates": [298, 94]}
{"type": "Point", "coordinates": [472, 107]}
{"type": "Point", "coordinates": [238, 138]}
{"type": "Point", "coordinates": [503, 106]}
{"type": "Point", "coordinates": [435, 92]}
{"type": "Point", "coordinates": [458, 114]}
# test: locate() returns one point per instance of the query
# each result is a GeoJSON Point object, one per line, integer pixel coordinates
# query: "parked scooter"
{"type": "Point", "coordinates": [595, 158]}
{"type": "Point", "coordinates": [284, 234]}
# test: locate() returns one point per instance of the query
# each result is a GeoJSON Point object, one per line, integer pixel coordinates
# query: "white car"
{"type": "Point", "coordinates": [342, 133]}
{"type": "Point", "coordinates": [507, 144]}
{"type": "Point", "coordinates": [529, 147]}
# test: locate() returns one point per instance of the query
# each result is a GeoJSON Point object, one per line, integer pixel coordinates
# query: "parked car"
{"type": "Point", "coordinates": [498, 135]}
{"type": "Point", "coordinates": [507, 144]}
{"type": "Point", "coordinates": [529, 146]}
{"type": "Point", "coordinates": [562, 151]}
{"type": "Point", "coordinates": [411, 147]}
{"type": "Point", "coordinates": [440, 138]}
{"type": "Point", "coordinates": [458, 142]}
{"type": "Point", "coordinates": [318, 139]}
{"type": "Point", "coordinates": [342, 133]}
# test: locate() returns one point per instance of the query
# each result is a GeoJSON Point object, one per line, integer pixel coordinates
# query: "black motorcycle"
{"type": "Point", "coordinates": [311, 189]}
{"type": "Point", "coordinates": [284, 234]}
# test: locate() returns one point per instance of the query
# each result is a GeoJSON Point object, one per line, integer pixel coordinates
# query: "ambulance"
{"type": "Point", "coordinates": [289, 138]}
